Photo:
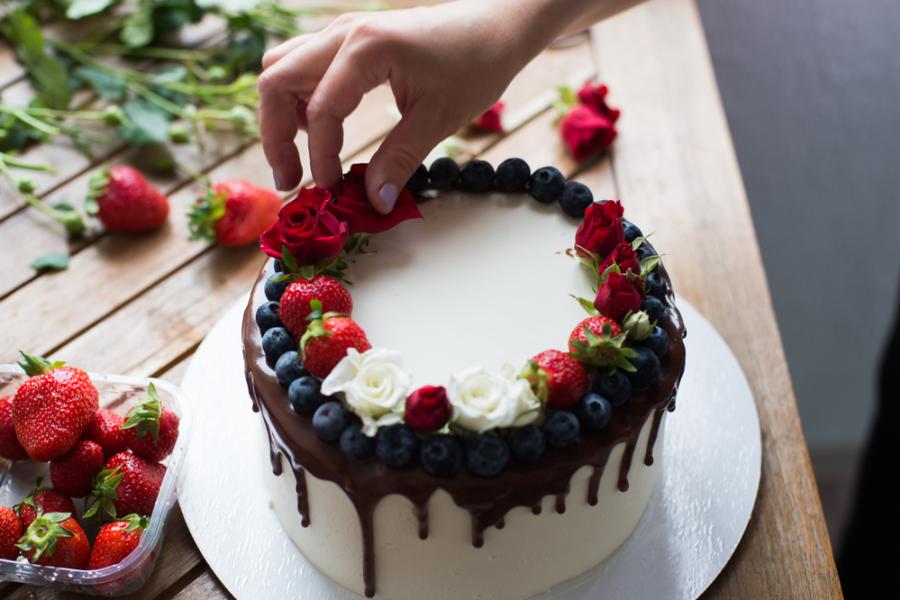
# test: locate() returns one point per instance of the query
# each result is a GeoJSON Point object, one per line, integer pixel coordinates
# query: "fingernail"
{"type": "Point", "coordinates": [387, 197]}
{"type": "Point", "coordinates": [277, 180]}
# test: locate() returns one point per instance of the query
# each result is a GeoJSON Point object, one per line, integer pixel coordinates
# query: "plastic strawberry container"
{"type": "Point", "coordinates": [17, 479]}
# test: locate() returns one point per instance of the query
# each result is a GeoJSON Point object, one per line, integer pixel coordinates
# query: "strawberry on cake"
{"type": "Point", "coordinates": [483, 417]}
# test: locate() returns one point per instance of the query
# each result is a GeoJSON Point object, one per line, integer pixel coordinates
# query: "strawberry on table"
{"type": "Point", "coordinates": [233, 212]}
{"type": "Point", "coordinates": [327, 339]}
{"type": "Point", "coordinates": [151, 430]}
{"type": "Point", "coordinates": [124, 201]}
{"type": "Point", "coordinates": [106, 429]}
{"type": "Point", "coordinates": [127, 484]}
{"type": "Point", "coordinates": [10, 448]}
{"type": "Point", "coordinates": [43, 500]}
{"type": "Point", "coordinates": [10, 532]}
{"type": "Point", "coordinates": [294, 306]}
{"type": "Point", "coordinates": [557, 378]}
{"type": "Point", "coordinates": [56, 539]}
{"type": "Point", "coordinates": [52, 408]}
{"type": "Point", "coordinates": [73, 472]}
{"type": "Point", "coordinates": [117, 540]}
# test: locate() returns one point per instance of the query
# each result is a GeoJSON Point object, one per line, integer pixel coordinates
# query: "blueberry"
{"type": "Point", "coordinates": [356, 444]}
{"type": "Point", "coordinates": [477, 176]}
{"type": "Point", "coordinates": [527, 443]}
{"type": "Point", "coordinates": [632, 232]}
{"type": "Point", "coordinates": [396, 445]}
{"type": "Point", "coordinates": [644, 251]}
{"type": "Point", "coordinates": [593, 412]}
{"type": "Point", "coordinates": [274, 289]}
{"type": "Point", "coordinates": [575, 199]}
{"type": "Point", "coordinates": [418, 181]}
{"type": "Point", "coordinates": [275, 342]}
{"type": "Point", "coordinates": [654, 308]}
{"type": "Point", "coordinates": [486, 454]}
{"type": "Point", "coordinates": [267, 316]}
{"type": "Point", "coordinates": [615, 386]}
{"type": "Point", "coordinates": [278, 266]}
{"type": "Point", "coordinates": [546, 184]}
{"type": "Point", "coordinates": [304, 395]}
{"type": "Point", "coordinates": [512, 175]}
{"type": "Point", "coordinates": [562, 429]}
{"type": "Point", "coordinates": [444, 173]}
{"type": "Point", "coordinates": [648, 369]}
{"type": "Point", "coordinates": [658, 341]}
{"type": "Point", "coordinates": [330, 420]}
{"type": "Point", "coordinates": [441, 455]}
{"type": "Point", "coordinates": [655, 285]}
{"type": "Point", "coordinates": [288, 368]}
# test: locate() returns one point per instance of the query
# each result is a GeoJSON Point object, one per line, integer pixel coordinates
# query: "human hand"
{"type": "Point", "coordinates": [445, 65]}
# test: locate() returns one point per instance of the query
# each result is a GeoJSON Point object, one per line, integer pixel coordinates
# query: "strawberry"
{"type": "Point", "coordinates": [294, 306]}
{"type": "Point", "coordinates": [73, 472]}
{"type": "Point", "coordinates": [151, 430]}
{"type": "Point", "coordinates": [124, 201]}
{"type": "Point", "coordinates": [106, 429]}
{"type": "Point", "coordinates": [56, 539]}
{"type": "Point", "coordinates": [598, 342]}
{"type": "Point", "coordinates": [42, 500]}
{"type": "Point", "coordinates": [10, 447]}
{"type": "Point", "coordinates": [117, 540]}
{"type": "Point", "coordinates": [233, 212]}
{"type": "Point", "coordinates": [10, 532]}
{"type": "Point", "coordinates": [127, 484]}
{"type": "Point", "coordinates": [327, 339]}
{"type": "Point", "coordinates": [52, 408]}
{"type": "Point", "coordinates": [557, 378]}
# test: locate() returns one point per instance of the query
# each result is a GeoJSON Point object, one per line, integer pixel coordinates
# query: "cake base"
{"type": "Point", "coordinates": [528, 555]}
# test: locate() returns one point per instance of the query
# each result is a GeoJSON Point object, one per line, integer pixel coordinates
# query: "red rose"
{"type": "Point", "coordinates": [618, 296]}
{"type": "Point", "coordinates": [624, 256]}
{"type": "Point", "coordinates": [427, 408]}
{"type": "Point", "coordinates": [491, 119]}
{"type": "Point", "coordinates": [594, 96]}
{"type": "Point", "coordinates": [351, 205]}
{"type": "Point", "coordinates": [601, 230]}
{"type": "Point", "coordinates": [308, 229]}
{"type": "Point", "coordinates": [586, 132]}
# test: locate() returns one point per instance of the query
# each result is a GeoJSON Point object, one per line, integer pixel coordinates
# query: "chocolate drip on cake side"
{"type": "Point", "coordinates": [487, 500]}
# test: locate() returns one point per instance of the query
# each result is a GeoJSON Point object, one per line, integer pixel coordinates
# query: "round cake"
{"type": "Point", "coordinates": [479, 414]}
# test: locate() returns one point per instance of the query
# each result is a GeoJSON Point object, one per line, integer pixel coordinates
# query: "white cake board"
{"type": "Point", "coordinates": [690, 529]}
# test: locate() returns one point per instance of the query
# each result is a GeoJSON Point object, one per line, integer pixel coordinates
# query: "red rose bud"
{"type": "Point", "coordinates": [618, 296]}
{"type": "Point", "coordinates": [427, 408]}
{"type": "Point", "coordinates": [307, 228]}
{"type": "Point", "coordinates": [601, 230]}
{"type": "Point", "coordinates": [491, 120]}
{"type": "Point", "coordinates": [594, 96]}
{"type": "Point", "coordinates": [624, 256]}
{"type": "Point", "coordinates": [586, 132]}
{"type": "Point", "coordinates": [351, 204]}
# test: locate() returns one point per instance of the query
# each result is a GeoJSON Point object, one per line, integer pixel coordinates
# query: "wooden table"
{"type": "Point", "coordinates": [141, 305]}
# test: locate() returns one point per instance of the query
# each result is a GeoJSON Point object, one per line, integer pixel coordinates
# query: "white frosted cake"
{"type": "Point", "coordinates": [410, 460]}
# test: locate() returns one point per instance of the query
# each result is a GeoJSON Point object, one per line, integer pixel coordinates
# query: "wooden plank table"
{"type": "Point", "coordinates": [141, 305]}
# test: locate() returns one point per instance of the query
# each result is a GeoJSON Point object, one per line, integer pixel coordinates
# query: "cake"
{"type": "Point", "coordinates": [426, 467]}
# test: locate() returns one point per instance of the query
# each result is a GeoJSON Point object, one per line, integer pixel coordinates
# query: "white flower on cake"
{"type": "Point", "coordinates": [483, 400]}
{"type": "Point", "coordinates": [374, 384]}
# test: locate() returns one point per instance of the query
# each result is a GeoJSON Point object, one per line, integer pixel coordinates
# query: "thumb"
{"type": "Point", "coordinates": [401, 153]}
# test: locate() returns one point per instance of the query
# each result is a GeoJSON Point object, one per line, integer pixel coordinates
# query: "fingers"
{"type": "Point", "coordinates": [276, 53]}
{"type": "Point", "coordinates": [400, 154]}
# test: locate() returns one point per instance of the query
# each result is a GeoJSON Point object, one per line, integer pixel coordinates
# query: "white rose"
{"type": "Point", "coordinates": [374, 384]}
{"type": "Point", "coordinates": [483, 400]}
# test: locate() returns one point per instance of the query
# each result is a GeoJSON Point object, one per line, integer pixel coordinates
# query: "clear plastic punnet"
{"type": "Point", "coordinates": [17, 479]}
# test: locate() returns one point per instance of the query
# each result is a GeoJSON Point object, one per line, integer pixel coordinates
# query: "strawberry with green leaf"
{"type": "Point", "coordinates": [10, 532]}
{"type": "Point", "coordinates": [233, 212]}
{"type": "Point", "coordinates": [598, 341]}
{"type": "Point", "coordinates": [556, 378]}
{"type": "Point", "coordinates": [42, 500]}
{"type": "Point", "coordinates": [127, 484]}
{"type": "Point", "coordinates": [117, 540]}
{"type": "Point", "coordinates": [150, 429]}
{"type": "Point", "coordinates": [55, 539]}
{"type": "Point", "coordinates": [327, 339]}
{"type": "Point", "coordinates": [124, 201]}
{"type": "Point", "coordinates": [294, 307]}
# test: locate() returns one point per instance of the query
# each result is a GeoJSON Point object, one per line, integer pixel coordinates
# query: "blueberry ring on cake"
{"type": "Point", "coordinates": [488, 483]}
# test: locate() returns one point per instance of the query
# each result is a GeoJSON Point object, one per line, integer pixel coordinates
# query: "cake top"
{"type": "Point", "coordinates": [361, 398]}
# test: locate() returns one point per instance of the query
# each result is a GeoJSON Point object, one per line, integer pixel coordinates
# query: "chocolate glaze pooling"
{"type": "Point", "coordinates": [487, 500]}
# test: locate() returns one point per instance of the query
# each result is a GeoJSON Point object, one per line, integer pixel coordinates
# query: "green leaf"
{"type": "Point", "coordinates": [47, 74]}
{"type": "Point", "coordinates": [51, 262]}
{"type": "Point", "coordinates": [649, 264]}
{"type": "Point", "coordinates": [137, 31]}
{"type": "Point", "coordinates": [228, 6]}
{"type": "Point", "coordinates": [586, 304]}
{"type": "Point", "coordinates": [145, 123]}
{"type": "Point", "coordinates": [106, 84]}
{"type": "Point", "coordinates": [78, 9]}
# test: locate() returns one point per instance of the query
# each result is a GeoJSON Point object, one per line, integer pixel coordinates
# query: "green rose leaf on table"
{"type": "Point", "coordinates": [144, 124]}
{"type": "Point", "coordinates": [78, 9]}
{"type": "Point", "coordinates": [137, 30]}
{"type": "Point", "coordinates": [48, 75]}
{"type": "Point", "coordinates": [107, 85]}
{"type": "Point", "coordinates": [51, 262]}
